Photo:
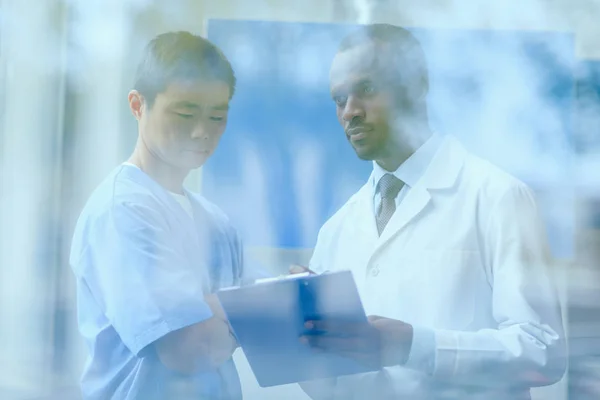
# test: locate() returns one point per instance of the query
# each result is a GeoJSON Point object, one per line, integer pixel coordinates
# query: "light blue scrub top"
{"type": "Point", "coordinates": [142, 267]}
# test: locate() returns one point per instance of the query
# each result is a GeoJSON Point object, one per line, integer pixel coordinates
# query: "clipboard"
{"type": "Point", "coordinates": [268, 320]}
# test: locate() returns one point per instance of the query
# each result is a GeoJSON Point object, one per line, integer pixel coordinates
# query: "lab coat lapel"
{"type": "Point", "coordinates": [412, 205]}
{"type": "Point", "coordinates": [442, 173]}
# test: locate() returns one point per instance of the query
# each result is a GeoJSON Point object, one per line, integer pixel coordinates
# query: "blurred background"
{"type": "Point", "coordinates": [517, 81]}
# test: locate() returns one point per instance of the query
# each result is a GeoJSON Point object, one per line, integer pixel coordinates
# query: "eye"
{"type": "Point", "coordinates": [340, 100]}
{"type": "Point", "coordinates": [185, 116]}
{"type": "Point", "coordinates": [368, 89]}
{"type": "Point", "coordinates": [217, 119]}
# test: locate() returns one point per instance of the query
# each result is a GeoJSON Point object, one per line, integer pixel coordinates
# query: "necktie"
{"type": "Point", "coordinates": [389, 187]}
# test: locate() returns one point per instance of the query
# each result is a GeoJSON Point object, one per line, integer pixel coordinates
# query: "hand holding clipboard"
{"type": "Point", "coordinates": [382, 342]}
{"type": "Point", "coordinates": [269, 318]}
{"type": "Point", "coordinates": [299, 269]}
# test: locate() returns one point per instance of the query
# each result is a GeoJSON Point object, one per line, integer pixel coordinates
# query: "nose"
{"type": "Point", "coordinates": [200, 132]}
{"type": "Point", "coordinates": [353, 109]}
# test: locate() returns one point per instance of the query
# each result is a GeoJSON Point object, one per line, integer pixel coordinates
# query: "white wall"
{"type": "Point", "coordinates": [105, 41]}
{"type": "Point", "coordinates": [32, 86]}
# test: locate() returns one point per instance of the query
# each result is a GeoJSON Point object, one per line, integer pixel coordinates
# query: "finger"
{"type": "Point", "coordinates": [307, 340]}
{"type": "Point", "coordinates": [373, 318]}
{"type": "Point", "coordinates": [215, 306]}
{"type": "Point", "coordinates": [336, 327]}
{"type": "Point", "coordinates": [336, 344]}
{"type": "Point", "coordinates": [368, 358]}
{"type": "Point", "coordinates": [297, 269]}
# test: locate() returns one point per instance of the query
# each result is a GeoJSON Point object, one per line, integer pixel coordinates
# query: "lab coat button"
{"type": "Point", "coordinates": [375, 271]}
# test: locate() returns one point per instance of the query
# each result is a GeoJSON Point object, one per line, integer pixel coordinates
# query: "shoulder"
{"type": "Point", "coordinates": [120, 192]}
{"type": "Point", "coordinates": [120, 201]}
{"type": "Point", "coordinates": [497, 196]}
{"type": "Point", "coordinates": [489, 181]}
{"type": "Point", "coordinates": [112, 200]}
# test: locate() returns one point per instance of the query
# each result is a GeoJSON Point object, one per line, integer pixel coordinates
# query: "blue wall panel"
{"type": "Point", "coordinates": [284, 166]}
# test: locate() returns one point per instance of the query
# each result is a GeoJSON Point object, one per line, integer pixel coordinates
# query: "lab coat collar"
{"type": "Point", "coordinates": [413, 169]}
{"type": "Point", "coordinates": [442, 173]}
{"type": "Point", "coordinates": [446, 165]}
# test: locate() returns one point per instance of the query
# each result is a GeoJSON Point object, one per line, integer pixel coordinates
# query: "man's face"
{"type": "Point", "coordinates": [365, 104]}
{"type": "Point", "coordinates": [184, 125]}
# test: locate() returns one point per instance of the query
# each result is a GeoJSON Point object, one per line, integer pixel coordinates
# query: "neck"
{"type": "Point", "coordinates": [169, 177]}
{"type": "Point", "coordinates": [407, 142]}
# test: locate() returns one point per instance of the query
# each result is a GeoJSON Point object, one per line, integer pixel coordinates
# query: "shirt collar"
{"type": "Point", "coordinates": [413, 169]}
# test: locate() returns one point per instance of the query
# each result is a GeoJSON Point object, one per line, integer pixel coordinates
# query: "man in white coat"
{"type": "Point", "coordinates": [448, 251]}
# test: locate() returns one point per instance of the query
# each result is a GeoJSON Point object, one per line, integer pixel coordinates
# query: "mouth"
{"type": "Point", "coordinates": [200, 152]}
{"type": "Point", "coordinates": [357, 134]}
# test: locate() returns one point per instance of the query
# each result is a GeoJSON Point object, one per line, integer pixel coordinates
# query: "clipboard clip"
{"type": "Point", "coordinates": [283, 277]}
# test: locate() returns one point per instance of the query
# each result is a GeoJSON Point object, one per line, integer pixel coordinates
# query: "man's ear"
{"type": "Point", "coordinates": [136, 104]}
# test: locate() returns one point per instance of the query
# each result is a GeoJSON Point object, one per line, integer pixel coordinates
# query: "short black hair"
{"type": "Point", "coordinates": [400, 48]}
{"type": "Point", "coordinates": [177, 56]}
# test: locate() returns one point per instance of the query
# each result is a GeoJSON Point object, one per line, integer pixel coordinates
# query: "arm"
{"type": "Point", "coordinates": [150, 293]}
{"type": "Point", "coordinates": [528, 348]}
{"type": "Point", "coordinates": [203, 346]}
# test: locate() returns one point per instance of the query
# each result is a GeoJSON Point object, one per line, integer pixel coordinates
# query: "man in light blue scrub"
{"type": "Point", "coordinates": [148, 254]}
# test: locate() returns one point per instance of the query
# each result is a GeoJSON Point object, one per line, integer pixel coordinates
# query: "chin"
{"type": "Point", "coordinates": [190, 163]}
{"type": "Point", "coordinates": [196, 160]}
{"type": "Point", "coordinates": [365, 154]}
{"type": "Point", "coordinates": [198, 163]}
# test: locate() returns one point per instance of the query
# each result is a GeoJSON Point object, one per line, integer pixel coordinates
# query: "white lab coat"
{"type": "Point", "coordinates": [464, 255]}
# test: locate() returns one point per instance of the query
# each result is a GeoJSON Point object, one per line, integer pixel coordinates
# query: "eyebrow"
{"type": "Point", "coordinates": [193, 106]}
{"type": "Point", "coordinates": [185, 104]}
{"type": "Point", "coordinates": [338, 91]}
{"type": "Point", "coordinates": [221, 107]}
